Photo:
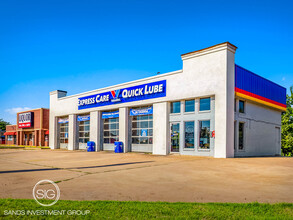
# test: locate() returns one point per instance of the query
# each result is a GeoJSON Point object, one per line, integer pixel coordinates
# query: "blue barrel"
{"type": "Point", "coordinates": [118, 147]}
{"type": "Point", "coordinates": [90, 146]}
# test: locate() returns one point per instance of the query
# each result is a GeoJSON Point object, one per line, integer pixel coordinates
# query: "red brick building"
{"type": "Point", "coordinates": [32, 128]}
{"type": "Point", "coordinates": [10, 135]}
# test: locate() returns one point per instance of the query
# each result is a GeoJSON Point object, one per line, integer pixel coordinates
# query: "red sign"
{"type": "Point", "coordinates": [24, 125]}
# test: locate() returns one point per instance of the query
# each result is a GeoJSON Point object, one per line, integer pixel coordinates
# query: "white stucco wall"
{"type": "Point", "coordinates": [95, 129]}
{"type": "Point", "coordinates": [72, 129]}
{"type": "Point", "coordinates": [161, 128]}
{"type": "Point", "coordinates": [53, 125]}
{"type": "Point", "coordinates": [260, 132]}
{"type": "Point", "coordinates": [123, 128]}
{"type": "Point", "coordinates": [206, 73]}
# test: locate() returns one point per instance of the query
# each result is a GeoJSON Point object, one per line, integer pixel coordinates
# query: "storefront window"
{"type": "Point", "coordinates": [241, 136]}
{"type": "Point", "coordinates": [175, 107]}
{"type": "Point", "coordinates": [10, 138]}
{"type": "Point", "coordinates": [205, 104]}
{"type": "Point", "coordinates": [83, 128]}
{"type": "Point", "coordinates": [204, 134]}
{"type": "Point", "coordinates": [189, 106]}
{"type": "Point", "coordinates": [63, 124]}
{"type": "Point", "coordinates": [189, 134]}
{"type": "Point", "coordinates": [111, 130]}
{"type": "Point", "coordinates": [142, 126]}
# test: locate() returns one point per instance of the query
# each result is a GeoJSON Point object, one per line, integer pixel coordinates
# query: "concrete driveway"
{"type": "Point", "coordinates": [144, 177]}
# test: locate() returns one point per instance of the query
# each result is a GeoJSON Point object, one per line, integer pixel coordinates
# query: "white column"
{"type": "Point", "coordinates": [161, 129]}
{"type": "Point", "coordinates": [72, 138]}
{"type": "Point", "coordinates": [230, 103]}
{"type": "Point", "coordinates": [123, 128]}
{"type": "Point", "coordinates": [53, 132]}
{"type": "Point", "coordinates": [224, 111]}
{"type": "Point", "coordinates": [95, 129]}
{"type": "Point", "coordinates": [53, 125]}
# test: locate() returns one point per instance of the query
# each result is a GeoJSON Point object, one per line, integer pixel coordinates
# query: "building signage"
{"type": "Point", "coordinates": [141, 111]}
{"type": "Point", "coordinates": [130, 94]}
{"type": "Point", "coordinates": [110, 115]}
{"type": "Point", "coordinates": [83, 118]}
{"type": "Point", "coordinates": [26, 120]}
{"type": "Point", "coordinates": [63, 120]}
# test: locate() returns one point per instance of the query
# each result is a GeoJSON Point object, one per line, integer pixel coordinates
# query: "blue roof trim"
{"type": "Point", "coordinates": [251, 82]}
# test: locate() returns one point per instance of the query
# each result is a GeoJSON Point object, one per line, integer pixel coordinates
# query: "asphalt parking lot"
{"type": "Point", "coordinates": [144, 177]}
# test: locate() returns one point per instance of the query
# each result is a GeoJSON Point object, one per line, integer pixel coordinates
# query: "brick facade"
{"type": "Point", "coordinates": [34, 135]}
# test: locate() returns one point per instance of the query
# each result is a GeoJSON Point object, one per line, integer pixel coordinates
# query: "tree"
{"type": "Point", "coordinates": [287, 127]}
{"type": "Point", "coordinates": [3, 124]}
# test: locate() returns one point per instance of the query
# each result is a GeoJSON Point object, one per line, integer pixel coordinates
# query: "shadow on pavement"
{"type": "Point", "coordinates": [89, 167]}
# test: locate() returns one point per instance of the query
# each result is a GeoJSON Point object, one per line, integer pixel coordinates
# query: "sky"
{"type": "Point", "coordinates": [84, 45]}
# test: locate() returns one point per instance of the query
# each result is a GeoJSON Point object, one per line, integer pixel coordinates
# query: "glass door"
{"type": "Point", "coordinates": [175, 137]}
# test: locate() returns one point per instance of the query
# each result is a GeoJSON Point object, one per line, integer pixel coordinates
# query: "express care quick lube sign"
{"type": "Point", "coordinates": [130, 94]}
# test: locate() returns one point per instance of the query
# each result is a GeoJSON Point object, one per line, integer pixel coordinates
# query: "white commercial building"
{"type": "Point", "coordinates": [211, 107]}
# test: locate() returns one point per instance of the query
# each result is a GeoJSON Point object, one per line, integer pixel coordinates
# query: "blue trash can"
{"type": "Point", "coordinates": [90, 146]}
{"type": "Point", "coordinates": [118, 147]}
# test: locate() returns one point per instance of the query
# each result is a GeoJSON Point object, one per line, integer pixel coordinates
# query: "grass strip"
{"type": "Point", "coordinates": [143, 210]}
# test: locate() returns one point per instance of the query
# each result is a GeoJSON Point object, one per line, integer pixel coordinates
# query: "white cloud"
{"type": "Point", "coordinates": [284, 78]}
{"type": "Point", "coordinates": [13, 111]}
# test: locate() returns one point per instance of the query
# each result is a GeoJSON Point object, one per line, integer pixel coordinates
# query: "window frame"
{"type": "Point", "coordinates": [179, 107]}
{"type": "Point", "coordinates": [235, 135]}
{"type": "Point", "coordinates": [138, 129]}
{"type": "Point", "coordinates": [243, 136]}
{"type": "Point", "coordinates": [83, 137]}
{"type": "Point", "coordinates": [209, 110]}
{"type": "Point", "coordinates": [199, 130]}
{"type": "Point", "coordinates": [185, 106]}
{"type": "Point", "coordinates": [110, 129]}
{"type": "Point", "coordinates": [64, 139]}
{"type": "Point", "coordinates": [180, 124]}
{"type": "Point", "coordinates": [244, 105]}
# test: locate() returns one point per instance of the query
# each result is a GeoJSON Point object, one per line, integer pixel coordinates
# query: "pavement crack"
{"type": "Point", "coordinates": [68, 179]}
{"type": "Point", "coordinates": [108, 171]}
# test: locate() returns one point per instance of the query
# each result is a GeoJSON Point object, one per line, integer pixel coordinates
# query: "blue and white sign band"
{"type": "Point", "coordinates": [130, 94]}
{"type": "Point", "coordinates": [83, 118]}
{"type": "Point", "coordinates": [63, 120]}
{"type": "Point", "coordinates": [110, 115]}
{"type": "Point", "coordinates": [141, 111]}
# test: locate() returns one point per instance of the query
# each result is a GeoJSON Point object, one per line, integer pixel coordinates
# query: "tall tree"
{"type": "Point", "coordinates": [3, 124]}
{"type": "Point", "coordinates": [287, 127]}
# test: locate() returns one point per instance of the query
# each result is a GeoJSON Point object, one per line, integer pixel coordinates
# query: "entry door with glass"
{"type": "Point", "coordinates": [175, 137]}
